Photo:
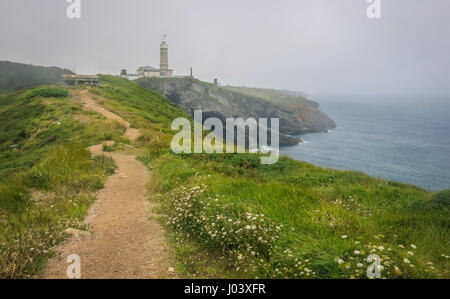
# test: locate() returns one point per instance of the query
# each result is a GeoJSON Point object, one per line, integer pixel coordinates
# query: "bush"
{"type": "Point", "coordinates": [440, 201]}
{"type": "Point", "coordinates": [47, 92]}
{"type": "Point", "coordinates": [37, 178]}
{"type": "Point", "coordinates": [105, 163]}
{"type": "Point", "coordinates": [109, 148]}
{"type": "Point", "coordinates": [153, 150]}
{"type": "Point", "coordinates": [71, 166]}
{"type": "Point", "coordinates": [247, 161]}
{"type": "Point", "coordinates": [247, 241]}
{"type": "Point", "coordinates": [14, 198]}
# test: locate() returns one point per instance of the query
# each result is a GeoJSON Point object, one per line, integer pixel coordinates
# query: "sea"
{"type": "Point", "coordinates": [399, 139]}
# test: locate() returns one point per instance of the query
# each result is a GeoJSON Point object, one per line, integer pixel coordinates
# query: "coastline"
{"type": "Point", "coordinates": [392, 141]}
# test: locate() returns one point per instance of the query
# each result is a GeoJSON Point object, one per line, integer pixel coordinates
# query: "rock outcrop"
{"type": "Point", "coordinates": [191, 94]}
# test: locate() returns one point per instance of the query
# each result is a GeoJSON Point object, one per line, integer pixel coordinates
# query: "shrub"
{"type": "Point", "coordinates": [247, 241]}
{"type": "Point", "coordinates": [440, 201]}
{"type": "Point", "coordinates": [47, 92]}
{"type": "Point", "coordinates": [14, 198]}
{"type": "Point", "coordinates": [109, 148]}
{"type": "Point", "coordinates": [71, 166]}
{"type": "Point", "coordinates": [153, 150]}
{"type": "Point", "coordinates": [105, 163]}
{"type": "Point", "coordinates": [247, 161]}
{"type": "Point", "coordinates": [37, 178]}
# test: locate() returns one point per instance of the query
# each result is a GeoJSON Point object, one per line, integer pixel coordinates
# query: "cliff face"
{"type": "Point", "coordinates": [191, 94]}
{"type": "Point", "coordinates": [310, 118]}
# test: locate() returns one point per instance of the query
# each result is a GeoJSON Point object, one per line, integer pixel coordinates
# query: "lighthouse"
{"type": "Point", "coordinates": [150, 71]}
{"type": "Point", "coordinates": [164, 60]}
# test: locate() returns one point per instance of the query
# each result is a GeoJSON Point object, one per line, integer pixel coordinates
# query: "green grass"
{"type": "Point", "coordinates": [48, 178]}
{"type": "Point", "coordinates": [47, 92]}
{"type": "Point", "coordinates": [144, 109]}
{"type": "Point", "coordinates": [313, 217]}
{"type": "Point", "coordinates": [38, 204]}
{"type": "Point", "coordinates": [227, 216]}
{"type": "Point", "coordinates": [276, 97]}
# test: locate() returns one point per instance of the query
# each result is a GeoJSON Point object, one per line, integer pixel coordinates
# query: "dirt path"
{"type": "Point", "coordinates": [124, 242]}
{"type": "Point", "coordinates": [91, 104]}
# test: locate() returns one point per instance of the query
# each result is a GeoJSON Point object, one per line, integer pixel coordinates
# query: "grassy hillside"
{"type": "Point", "coordinates": [277, 97]}
{"type": "Point", "coordinates": [47, 177]}
{"type": "Point", "coordinates": [295, 220]}
{"type": "Point", "coordinates": [226, 215]}
{"type": "Point", "coordinates": [16, 76]}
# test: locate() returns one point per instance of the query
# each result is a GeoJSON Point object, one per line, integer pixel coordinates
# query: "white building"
{"type": "Point", "coordinates": [163, 71]}
{"type": "Point", "coordinates": [148, 71]}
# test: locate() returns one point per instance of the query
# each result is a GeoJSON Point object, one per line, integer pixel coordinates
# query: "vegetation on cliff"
{"type": "Point", "coordinates": [295, 220]}
{"type": "Point", "coordinates": [307, 111]}
{"type": "Point", "coordinates": [47, 177]}
{"type": "Point", "coordinates": [16, 76]}
{"type": "Point", "coordinates": [190, 94]}
{"type": "Point", "coordinates": [226, 215]}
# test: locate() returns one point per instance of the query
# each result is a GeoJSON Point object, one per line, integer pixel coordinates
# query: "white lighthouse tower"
{"type": "Point", "coordinates": [163, 71]}
{"type": "Point", "coordinates": [164, 59]}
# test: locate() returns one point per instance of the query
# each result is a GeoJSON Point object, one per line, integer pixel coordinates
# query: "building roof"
{"type": "Point", "coordinates": [148, 69]}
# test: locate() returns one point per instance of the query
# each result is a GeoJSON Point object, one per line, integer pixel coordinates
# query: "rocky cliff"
{"type": "Point", "coordinates": [222, 102]}
{"type": "Point", "coordinates": [310, 118]}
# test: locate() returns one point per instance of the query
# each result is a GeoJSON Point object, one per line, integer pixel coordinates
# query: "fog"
{"type": "Point", "coordinates": [322, 47]}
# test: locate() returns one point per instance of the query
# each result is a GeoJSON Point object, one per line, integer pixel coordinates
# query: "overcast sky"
{"type": "Point", "coordinates": [315, 46]}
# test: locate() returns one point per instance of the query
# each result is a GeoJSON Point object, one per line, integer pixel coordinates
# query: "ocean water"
{"type": "Point", "coordinates": [405, 141]}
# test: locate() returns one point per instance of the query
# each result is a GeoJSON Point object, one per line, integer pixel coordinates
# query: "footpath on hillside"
{"type": "Point", "coordinates": [124, 241]}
